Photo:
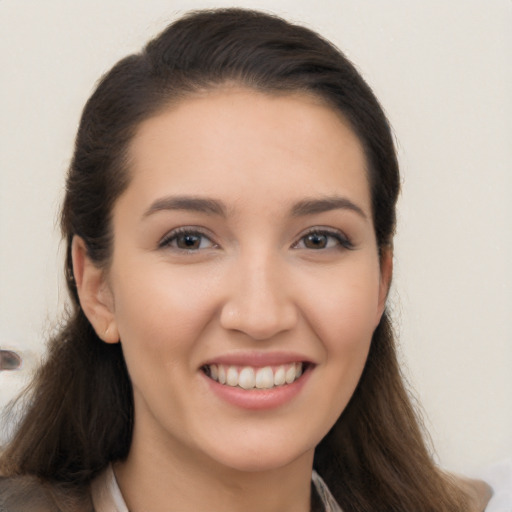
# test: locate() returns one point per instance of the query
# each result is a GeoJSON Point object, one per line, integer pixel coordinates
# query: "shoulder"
{"type": "Point", "coordinates": [479, 493]}
{"type": "Point", "coordinates": [29, 494]}
{"type": "Point", "coordinates": [493, 491]}
{"type": "Point", "coordinates": [499, 477]}
{"type": "Point", "coordinates": [20, 494]}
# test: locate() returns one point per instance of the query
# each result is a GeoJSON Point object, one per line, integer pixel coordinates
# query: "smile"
{"type": "Point", "coordinates": [249, 377]}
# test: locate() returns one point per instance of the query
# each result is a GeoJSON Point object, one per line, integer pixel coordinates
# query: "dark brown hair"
{"type": "Point", "coordinates": [80, 415]}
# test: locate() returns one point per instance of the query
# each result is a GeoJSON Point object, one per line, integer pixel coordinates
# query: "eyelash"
{"type": "Point", "coordinates": [171, 239]}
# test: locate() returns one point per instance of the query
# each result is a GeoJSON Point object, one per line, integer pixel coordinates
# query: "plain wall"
{"type": "Point", "coordinates": [443, 72]}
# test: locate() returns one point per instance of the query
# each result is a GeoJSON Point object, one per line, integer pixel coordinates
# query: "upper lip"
{"type": "Point", "coordinates": [257, 359]}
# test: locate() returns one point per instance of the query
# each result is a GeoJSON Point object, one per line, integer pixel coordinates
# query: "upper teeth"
{"type": "Point", "coordinates": [248, 377]}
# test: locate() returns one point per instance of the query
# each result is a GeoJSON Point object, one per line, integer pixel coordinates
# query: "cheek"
{"type": "Point", "coordinates": [161, 312]}
{"type": "Point", "coordinates": [343, 318]}
{"type": "Point", "coordinates": [346, 330]}
{"type": "Point", "coordinates": [344, 313]}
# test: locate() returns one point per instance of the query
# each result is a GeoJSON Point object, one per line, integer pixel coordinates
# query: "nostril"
{"type": "Point", "coordinates": [9, 360]}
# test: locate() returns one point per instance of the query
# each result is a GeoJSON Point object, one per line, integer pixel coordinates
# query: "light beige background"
{"type": "Point", "coordinates": [443, 71]}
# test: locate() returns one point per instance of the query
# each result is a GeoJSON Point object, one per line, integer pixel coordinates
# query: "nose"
{"type": "Point", "coordinates": [260, 302]}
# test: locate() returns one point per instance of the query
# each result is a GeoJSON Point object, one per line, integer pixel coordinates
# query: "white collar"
{"type": "Point", "coordinates": [107, 497]}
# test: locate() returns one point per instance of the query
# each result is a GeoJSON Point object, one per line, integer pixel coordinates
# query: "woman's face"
{"type": "Point", "coordinates": [245, 282]}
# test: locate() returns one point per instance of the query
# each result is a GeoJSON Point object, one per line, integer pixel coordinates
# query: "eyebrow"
{"type": "Point", "coordinates": [215, 207]}
{"type": "Point", "coordinates": [196, 204]}
{"type": "Point", "coordinates": [313, 206]}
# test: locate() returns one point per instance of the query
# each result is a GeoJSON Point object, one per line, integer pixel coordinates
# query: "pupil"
{"type": "Point", "coordinates": [190, 241]}
{"type": "Point", "coordinates": [316, 241]}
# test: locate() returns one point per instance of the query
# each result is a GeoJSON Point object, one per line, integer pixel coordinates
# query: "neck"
{"type": "Point", "coordinates": [173, 480]}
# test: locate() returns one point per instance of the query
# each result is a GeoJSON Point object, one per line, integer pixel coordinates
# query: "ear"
{"type": "Point", "coordinates": [386, 273]}
{"type": "Point", "coordinates": [94, 293]}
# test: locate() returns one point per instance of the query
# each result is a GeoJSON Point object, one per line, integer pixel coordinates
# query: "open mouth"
{"type": "Point", "coordinates": [250, 377]}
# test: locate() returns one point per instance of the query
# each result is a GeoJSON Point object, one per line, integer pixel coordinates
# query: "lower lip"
{"type": "Point", "coordinates": [259, 399]}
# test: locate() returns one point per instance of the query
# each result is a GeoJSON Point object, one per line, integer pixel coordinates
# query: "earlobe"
{"type": "Point", "coordinates": [94, 293]}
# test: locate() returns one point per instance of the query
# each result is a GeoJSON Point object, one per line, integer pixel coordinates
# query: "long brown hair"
{"type": "Point", "coordinates": [80, 414]}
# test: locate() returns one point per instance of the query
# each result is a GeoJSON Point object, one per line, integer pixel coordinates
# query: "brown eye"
{"type": "Point", "coordinates": [323, 239]}
{"type": "Point", "coordinates": [316, 241]}
{"type": "Point", "coordinates": [186, 240]}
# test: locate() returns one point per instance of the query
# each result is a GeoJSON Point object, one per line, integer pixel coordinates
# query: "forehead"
{"type": "Point", "coordinates": [234, 143]}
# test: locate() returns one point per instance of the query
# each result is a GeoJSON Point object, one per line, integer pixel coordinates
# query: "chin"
{"type": "Point", "coordinates": [259, 463]}
{"type": "Point", "coordinates": [262, 456]}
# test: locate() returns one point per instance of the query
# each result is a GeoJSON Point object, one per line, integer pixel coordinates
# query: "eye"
{"type": "Point", "coordinates": [323, 239]}
{"type": "Point", "coordinates": [185, 239]}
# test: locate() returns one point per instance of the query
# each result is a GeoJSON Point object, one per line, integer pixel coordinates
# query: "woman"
{"type": "Point", "coordinates": [229, 217]}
